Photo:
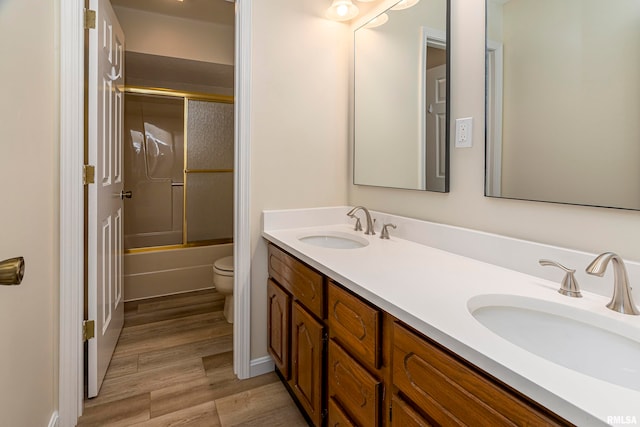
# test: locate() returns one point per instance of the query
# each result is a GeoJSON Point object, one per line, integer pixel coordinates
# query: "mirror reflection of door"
{"type": "Point", "coordinates": [436, 85]}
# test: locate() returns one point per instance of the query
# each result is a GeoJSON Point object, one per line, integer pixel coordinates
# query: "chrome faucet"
{"type": "Point", "coordinates": [622, 301]}
{"type": "Point", "coordinates": [352, 214]}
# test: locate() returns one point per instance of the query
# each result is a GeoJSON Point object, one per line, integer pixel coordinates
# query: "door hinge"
{"type": "Point", "coordinates": [88, 174]}
{"type": "Point", "coordinates": [88, 330]}
{"type": "Point", "coordinates": [89, 19]}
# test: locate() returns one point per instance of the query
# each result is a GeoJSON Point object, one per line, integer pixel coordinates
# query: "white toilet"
{"type": "Point", "coordinates": [223, 281]}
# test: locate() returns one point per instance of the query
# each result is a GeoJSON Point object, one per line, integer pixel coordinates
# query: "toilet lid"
{"type": "Point", "coordinates": [224, 264]}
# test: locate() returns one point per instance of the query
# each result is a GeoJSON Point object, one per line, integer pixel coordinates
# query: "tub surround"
{"type": "Point", "coordinates": [425, 275]}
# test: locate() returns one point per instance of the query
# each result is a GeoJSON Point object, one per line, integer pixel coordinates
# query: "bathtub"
{"type": "Point", "coordinates": [158, 272]}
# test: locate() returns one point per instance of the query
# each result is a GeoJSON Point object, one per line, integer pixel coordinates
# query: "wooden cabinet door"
{"type": "Point", "coordinates": [306, 361]}
{"type": "Point", "coordinates": [279, 309]}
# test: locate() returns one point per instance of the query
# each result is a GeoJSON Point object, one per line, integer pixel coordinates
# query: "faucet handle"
{"type": "Point", "coordinates": [358, 225]}
{"type": "Point", "coordinates": [384, 234]}
{"type": "Point", "coordinates": [569, 285]}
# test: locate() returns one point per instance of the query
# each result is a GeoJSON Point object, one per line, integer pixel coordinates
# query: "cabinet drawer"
{"type": "Point", "coordinates": [337, 417]}
{"type": "Point", "coordinates": [405, 416]}
{"type": "Point", "coordinates": [353, 387]}
{"type": "Point", "coordinates": [354, 324]}
{"type": "Point", "coordinates": [278, 314]}
{"type": "Point", "coordinates": [305, 284]}
{"type": "Point", "coordinates": [451, 392]}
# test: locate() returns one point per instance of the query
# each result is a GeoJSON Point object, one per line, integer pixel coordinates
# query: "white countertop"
{"type": "Point", "coordinates": [429, 288]}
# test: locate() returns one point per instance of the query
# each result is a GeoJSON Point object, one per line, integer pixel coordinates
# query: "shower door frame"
{"type": "Point", "coordinates": [71, 132]}
{"type": "Point", "coordinates": [185, 97]}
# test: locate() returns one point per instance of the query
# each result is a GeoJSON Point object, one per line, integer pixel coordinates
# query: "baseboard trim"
{"type": "Point", "coordinates": [261, 365]}
{"type": "Point", "coordinates": [53, 422]}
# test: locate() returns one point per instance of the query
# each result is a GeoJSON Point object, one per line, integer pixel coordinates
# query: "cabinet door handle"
{"type": "Point", "coordinates": [12, 271]}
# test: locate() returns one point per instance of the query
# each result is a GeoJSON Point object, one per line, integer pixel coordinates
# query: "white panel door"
{"type": "Point", "coordinates": [105, 86]}
{"type": "Point", "coordinates": [436, 82]}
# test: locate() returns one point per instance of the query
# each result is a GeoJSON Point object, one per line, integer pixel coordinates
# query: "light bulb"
{"type": "Point", "coordinates": [342, 10]}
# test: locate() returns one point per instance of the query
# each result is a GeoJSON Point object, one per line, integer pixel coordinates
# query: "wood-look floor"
{"type": "Point", "coordinates": [173, 366]}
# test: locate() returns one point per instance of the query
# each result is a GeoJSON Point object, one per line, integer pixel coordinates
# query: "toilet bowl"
{"type": "Point", "coordinates": [223, 281]}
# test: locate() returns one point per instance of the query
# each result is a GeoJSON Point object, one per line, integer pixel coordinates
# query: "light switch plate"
{"type": "Point", "coordinates": [464, 132]}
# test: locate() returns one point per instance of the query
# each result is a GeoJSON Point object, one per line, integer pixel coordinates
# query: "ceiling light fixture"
{"type": "Point", "coordinates": [405, 4]}
{"type": "Point", "coordinates": [342, 10]}
{"type": "Point", "coordinates": [377, 21]}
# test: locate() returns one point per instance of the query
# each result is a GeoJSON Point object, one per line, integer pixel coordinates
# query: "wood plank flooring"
{"type": "Point", "coordinates": [173, 366]}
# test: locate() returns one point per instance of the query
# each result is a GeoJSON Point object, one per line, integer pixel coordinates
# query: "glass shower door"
{"type": "Point", "coordinates": [178, 163]}
{"type": "Point", "coordinates": [209, 171]}
{"type": "Point", "coordinates": [153, 170]}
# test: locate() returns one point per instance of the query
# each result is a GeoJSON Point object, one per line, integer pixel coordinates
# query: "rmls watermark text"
{"type": "Point", "coordinates": [622, 419]}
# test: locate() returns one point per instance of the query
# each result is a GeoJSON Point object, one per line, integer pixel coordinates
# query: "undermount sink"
{"type": "Point", "coordinates": [586, 342]}
{"type": "Point", "coordinates": [334, 240]}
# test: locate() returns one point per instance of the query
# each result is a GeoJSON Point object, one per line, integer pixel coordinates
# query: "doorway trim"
{"type": "Point", "coordinates": [494, 62]}
{"type": "Point", "coordinates": [71, 133]}
{"type": "Point", "coordinates": [242, 193]}
{"type": "Point", "coordinates": [71, 73]}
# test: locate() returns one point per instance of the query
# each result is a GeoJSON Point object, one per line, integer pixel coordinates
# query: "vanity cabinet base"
{"type": "Point", "coordinates": [348, 363]}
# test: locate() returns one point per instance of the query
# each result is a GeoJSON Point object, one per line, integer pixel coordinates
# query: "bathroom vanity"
{"type": "Point", "coordinates": [366, 331]}
{"type": "Point", "coordinates": [378, 370]}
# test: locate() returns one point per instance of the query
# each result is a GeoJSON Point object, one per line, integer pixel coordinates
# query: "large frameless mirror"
{"type": "Point", "coordinates": [563, 101]}
{"type": "Point", "coordinates": [401, 109]}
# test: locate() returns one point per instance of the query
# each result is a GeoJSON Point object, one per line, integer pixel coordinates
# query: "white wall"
{"type": "Point", "coordinates": [163, 35]}
{"type": "Point", "coordinates": [29, 214]}
{"type": "Point", "coordinates": [299, 124]}
{"type": "Point", "coordinates": [583, 228]}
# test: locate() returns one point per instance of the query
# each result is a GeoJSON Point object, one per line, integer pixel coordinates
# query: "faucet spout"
{"type": "Point", "coordinates": [351, 214]}
{"type": "Point", "coordinates": [622, 300]}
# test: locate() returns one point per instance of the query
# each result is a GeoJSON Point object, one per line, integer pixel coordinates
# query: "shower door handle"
{"type": "Point", "coordinates": [125, 194]}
